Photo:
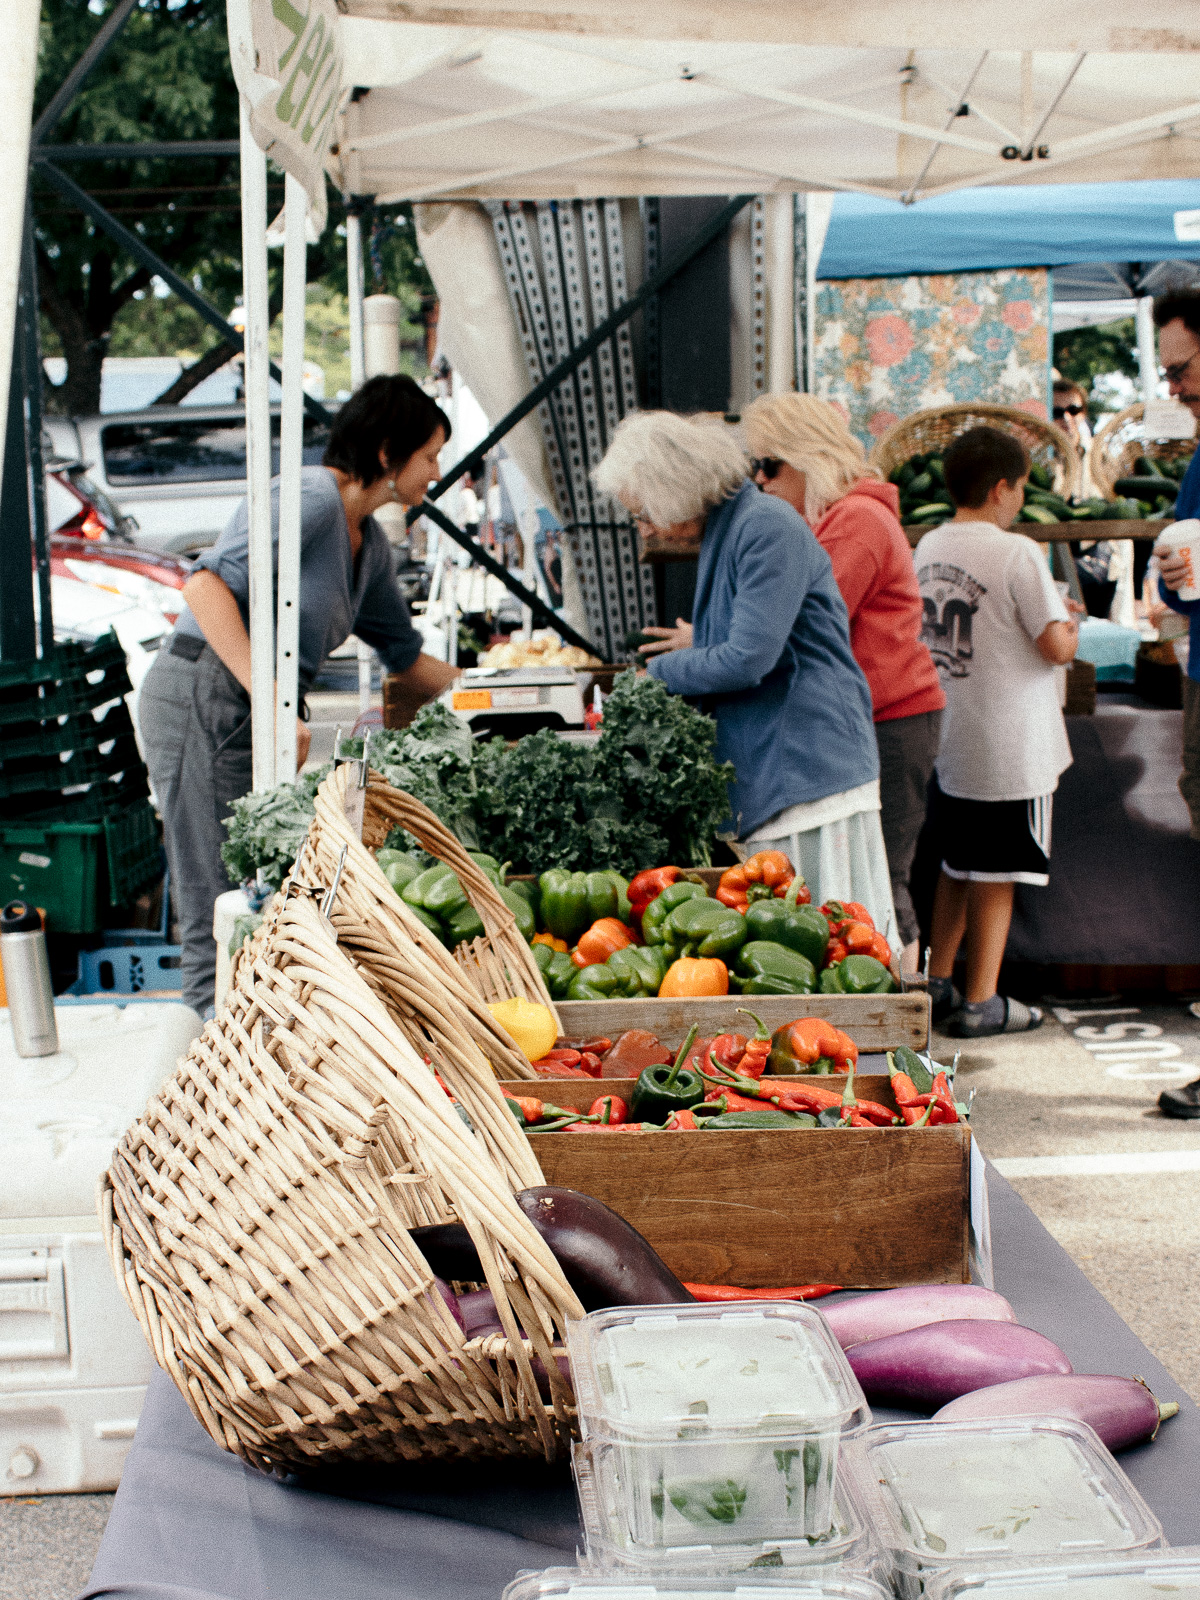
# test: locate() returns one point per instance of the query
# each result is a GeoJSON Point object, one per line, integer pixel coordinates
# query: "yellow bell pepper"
{"type": "Point", "coordinates": [555, 944]}
{"type": "Point", "coordinates": [532, 1027]}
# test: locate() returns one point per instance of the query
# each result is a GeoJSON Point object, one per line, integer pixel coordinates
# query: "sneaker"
{"type": "Point", "coordinates": [1017, 1018]}
{"type": "Point", "coordinates": [1182, 1103]}
{"type": "Point", "coordinates": [945, 1003]}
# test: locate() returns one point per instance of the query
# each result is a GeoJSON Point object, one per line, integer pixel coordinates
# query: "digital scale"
{"type": "Point", "coordinates": [513, 701]}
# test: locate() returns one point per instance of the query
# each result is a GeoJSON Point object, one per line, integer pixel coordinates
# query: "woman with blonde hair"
{"type": "Point", "coordinates": [805, 455]}
{"type": "Point", "coordinates": [767, 653]}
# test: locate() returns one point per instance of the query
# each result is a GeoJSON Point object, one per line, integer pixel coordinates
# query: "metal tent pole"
{"type": "Point", "coordinates": [291, 445]}
{"type": "Point", "coordinates": [354, 294]}
{"type": "Point", "coordinates": [18, 63]}
{"type": "Point", "coordinates": [1147, 356]}
{"type": "Point", "coordinates": [257, 385]}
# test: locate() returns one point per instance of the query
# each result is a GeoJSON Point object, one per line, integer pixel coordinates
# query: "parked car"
{"type": "Point", "coordinates": [179, 471]}
{"type": "Point", "coordinates": [76, 506]}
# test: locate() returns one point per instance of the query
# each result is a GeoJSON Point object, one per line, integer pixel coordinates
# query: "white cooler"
{"type": "Point", "coordinates": [73, 1361]}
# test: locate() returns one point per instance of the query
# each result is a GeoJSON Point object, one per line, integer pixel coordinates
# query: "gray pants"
{"type": "Point", "coordinates": [908, 748]}
{"type": "Point", "coordinates": [195, 724]}
{"type": "Point", "coordinates": [1189, 778]}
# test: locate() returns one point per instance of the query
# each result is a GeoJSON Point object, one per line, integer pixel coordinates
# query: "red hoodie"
{"type": "Point", "coordinates": [873, 567]}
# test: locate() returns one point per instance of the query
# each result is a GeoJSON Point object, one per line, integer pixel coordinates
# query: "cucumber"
{"type": "Point", "coordinates": [921, 484]}
{"type": "Point", "coordinates": [1040, 514]}
{"type": "Point", "coordinates": [926, 512]}
{"type": "Point", "coordinates": [1041, 477]}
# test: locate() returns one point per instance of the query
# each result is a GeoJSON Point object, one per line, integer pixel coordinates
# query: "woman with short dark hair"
{"type": "Point", "coordinates": [194, 708]}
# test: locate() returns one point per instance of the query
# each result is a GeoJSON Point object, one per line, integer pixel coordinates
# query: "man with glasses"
{"type": "Point", "coordinates": [1177, 317]}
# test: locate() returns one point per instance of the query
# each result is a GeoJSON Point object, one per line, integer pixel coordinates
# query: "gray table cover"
{"type": "Point", "coordinates": [192, 1523]}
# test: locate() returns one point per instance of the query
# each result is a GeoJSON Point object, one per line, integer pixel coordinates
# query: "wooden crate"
{"type": "Point", "coordinates": [874, 1021]}
{"type": "Point", "coordinates": [869, 1208]}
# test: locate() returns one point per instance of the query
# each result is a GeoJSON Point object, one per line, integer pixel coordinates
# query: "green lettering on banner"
{"type": "Point", "coordinates": [323, 116]}
{"type": "Point", "coordinates": [294, 21]}
{"type": "Point", "coordinates": [304, 68]}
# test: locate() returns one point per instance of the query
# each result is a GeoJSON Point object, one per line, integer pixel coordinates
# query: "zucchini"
{"type": "Point", "coordinates": [1041, 477]}
{"type": "Point", "coordinates": [1040, 514]}
{"type": "Point", "coordinates": [921, 484]}
{"type": "Point", "coordinates": [926, 512]}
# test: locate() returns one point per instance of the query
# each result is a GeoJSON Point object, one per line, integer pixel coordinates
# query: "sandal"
{"type": "Point", "coordinates": [1018, 1018]}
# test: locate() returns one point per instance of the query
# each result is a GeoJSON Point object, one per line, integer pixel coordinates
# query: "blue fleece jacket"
{"type": "Point", "coordinates": [1187, 504]}
{"type": "Point", "coordinates": [771, 662]}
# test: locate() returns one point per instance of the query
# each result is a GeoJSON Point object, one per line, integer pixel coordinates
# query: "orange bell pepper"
{"type": "Point", "coordinates": [758, 878]}
{"type": "Point", "coordinates": [881, 950]}
{"type": "Point", "coordinates": [858, 939]}
{"type": "Point", "coordinates": [691, 976]}
{"type": "Point", "coordinates": [812, 1038]}
{"type": "Point", "coordinates": [600, 941]}
{"type": "Point", "coordinates": [555, 944]}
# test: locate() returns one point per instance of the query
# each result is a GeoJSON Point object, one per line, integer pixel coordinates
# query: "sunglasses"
{"type": "Point", "coordinates": [1175, 374]}
{"type": "Point", "coordinates": [1068, 411]}
{"type": "Point", "coordinates": [766, 466]}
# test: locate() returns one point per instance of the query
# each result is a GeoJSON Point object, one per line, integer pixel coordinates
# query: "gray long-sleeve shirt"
{"type": "Point", "coordinates": [335, 599]}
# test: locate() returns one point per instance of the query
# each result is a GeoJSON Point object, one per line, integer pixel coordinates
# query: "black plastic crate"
{"type": "Point", "coordinates": [70, 679]}
{"type": "Point", "coordinates": [81, 732]}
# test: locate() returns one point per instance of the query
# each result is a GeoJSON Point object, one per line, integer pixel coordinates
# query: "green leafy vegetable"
{"type": "Point", "coordinates": [708, 1500]}
{"type": "Point", "coordinates": [266, 830]}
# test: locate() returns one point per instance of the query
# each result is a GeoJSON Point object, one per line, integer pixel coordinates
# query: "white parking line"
{"type": "Point", "coordinates": [1098, 1166]}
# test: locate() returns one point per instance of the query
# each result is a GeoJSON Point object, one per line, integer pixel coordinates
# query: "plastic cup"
{"type": "Point", "coordinates": [1183, 539]}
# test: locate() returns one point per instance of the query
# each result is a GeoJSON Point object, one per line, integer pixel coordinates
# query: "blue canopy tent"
{"type": "Point", "coordinates": [1105, 240]}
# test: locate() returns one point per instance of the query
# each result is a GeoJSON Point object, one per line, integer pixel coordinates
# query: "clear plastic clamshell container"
{"type": "Point", "coordinates": [713, 1424]}
{"type": "Point", "coordinates": [974, 1495]}
{"type": "Point", "coordinates": [581, 1583]}
{"type": "Point", "coordinates": [1141, 1575]}
{"type": "Point", "coordinates": [711, 1531]}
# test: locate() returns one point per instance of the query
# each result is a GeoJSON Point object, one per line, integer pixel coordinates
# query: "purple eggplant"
{"type": "Point", "coordinates": [875, 1316]}
{"type": "Point", "coordinates": [477, 1310]}
{"type": "Point", "coordinates": [451, 1299]}
{"type": "Point", "coordinates": [1123, 1411]}
{"type": "Point", "coordinates": [605, 1260]}
{"type": "Point", "coordinates": [924, 1368]}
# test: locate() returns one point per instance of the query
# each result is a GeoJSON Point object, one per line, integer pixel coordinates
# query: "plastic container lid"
{"type": "Point", "coordinates": [712, 1371]}
{"type": "Point", "coordinates": [615, 1536]}
{"type": "Point", "coordinates": [582, 1583]}
{"type": "Point", "coordinates": [1142, 1575]}
{"type": "Point", "coordinates": [958, 1494]}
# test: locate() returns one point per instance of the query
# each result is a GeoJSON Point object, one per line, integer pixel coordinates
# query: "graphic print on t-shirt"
{"type": "Point", "coordinates": [950, 598]}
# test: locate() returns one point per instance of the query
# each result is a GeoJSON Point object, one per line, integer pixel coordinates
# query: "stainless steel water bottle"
{"type": "Point", "coordinates": [27, 980]}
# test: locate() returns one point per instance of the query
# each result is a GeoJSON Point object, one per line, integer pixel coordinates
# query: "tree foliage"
{"type": "Point", "coordinates": [166, 77]}
{"type": "Point", "coordinates": [1084, 354]}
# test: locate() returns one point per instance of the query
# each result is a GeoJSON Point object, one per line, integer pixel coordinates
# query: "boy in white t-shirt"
{"type": "Point", "coordinates": [997, 628]}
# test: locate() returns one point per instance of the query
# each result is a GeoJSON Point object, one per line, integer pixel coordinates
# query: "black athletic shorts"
{"type": "Point", "coordinates": [992, 841]}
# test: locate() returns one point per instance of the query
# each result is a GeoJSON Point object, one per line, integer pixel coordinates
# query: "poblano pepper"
{"type": "Point", "coordinates": [766, 968]}
{"type": "Point", "coordinates": [572, 901]}
{"type": "Point", "coordinates": [768, 1117]}
{"type": "Point", "coordinates": [656, 913]}
{"type": "Point", "coordinates": [800, 928]}
{"type": "Point", "coordinates": [661, 1090]}
{"type": "Point", "coordinates": [703, 928]}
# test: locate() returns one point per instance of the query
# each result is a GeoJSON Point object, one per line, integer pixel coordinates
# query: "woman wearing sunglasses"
{"type": "Point", "coordinates": [767, 655]}
{"type": "Point", "coordinates": [806, 455]}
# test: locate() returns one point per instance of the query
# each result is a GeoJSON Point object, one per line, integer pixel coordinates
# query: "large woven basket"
{"type": "Point", "coordinates": [1120, 441]}
{"type": "Point", "coordinates": [257, 1213]}
{"type": "Point", "coordinates": [937, 427]}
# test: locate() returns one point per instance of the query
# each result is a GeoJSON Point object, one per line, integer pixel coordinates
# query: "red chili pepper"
{"type": "Point", "coordinates": [608, 1127]}
{"type": "Point", "coordinates": [681, 1122]}
{"type": "Point", "coordinates": [726, 1291]}
{"type": "Point", "coordinates": [857, 1120]}
{"type": "Point", "coordinates": [569, 1058]}
{"type": "Point", "coordinates": [903, 1088]}
{"type": "Point", "coordinates": [733, 1100]}
{"type": "Point", "coordinates": [559, 1069]}
{"type": "Point", "coordinates": [725, 1052]}
{"type": "Point", "coordinates": [532, 1110]}
{"type": "Point", "coordinates": [589, 1064]}
{"type": "Point", "coordinates": [754, 1059]}
{"type": "Point", "coordinates": [611, 1110]}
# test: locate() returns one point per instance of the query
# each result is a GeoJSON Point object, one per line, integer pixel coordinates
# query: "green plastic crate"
{"type": "Point", "coordinates": [71, 679]}
{"type": "Point", "coordinates": [74, 870]}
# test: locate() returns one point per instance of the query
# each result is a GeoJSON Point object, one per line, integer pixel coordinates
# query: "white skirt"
{"type": "Point", "coordinates": [840, 859]}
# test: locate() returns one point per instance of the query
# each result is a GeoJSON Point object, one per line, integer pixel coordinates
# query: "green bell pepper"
{"type": "Point", "coordinates": [431, 923]}
{"type": "Point", "coordinates": [800, 928]}
{"type": "Point", "coordinates": [557, 969]}
{"type": "Point", "coordinates": [862, 975]}
{"type": "Point", "coordinates": [656, 913]}
{"type": "Point", "coordinates": [661, 1090]}
{"type": "Point", "coordinates": [644, 967]}
{"type": "Point", "coordinates": [445, 897]}
{"type": "Point", "coordinates": [521, 910]}
{"type": "Point", "coordinates": [400, 871]}
{"type": "Point", "coordinates": [768, 1117]}
{"type": "Point", "coordinates": [463, 924]}
{"type": "Point", "coordinates": [829, 981]}
{"type": "Point", "coordinates": [703, 928]}
{"type": "Point", "coordinates": [416, 892]}
{"type": "Point", "coordinates": [594, 983]}
{"type": "Point", "coordinates": [572, 901]}
{"type": "Point", "coordinates": [488, 865]}
{"type": "Point", "coordinates": [766, 968]}
{"type": "Point", "coordinates": [528, 891]}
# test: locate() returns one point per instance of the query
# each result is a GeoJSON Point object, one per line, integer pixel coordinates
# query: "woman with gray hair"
{"type": "Point", "coordinates": [767, 654]}
{"type": "Point", "coordinates": [806, 455]}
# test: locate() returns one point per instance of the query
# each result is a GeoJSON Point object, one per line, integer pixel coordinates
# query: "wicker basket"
{"type": "Point", "coordinates": [1120, 441]}
{"type": "Point", "coordinates": [936, 428]}
{"type": "Point", "coordinates": [257, 1214]}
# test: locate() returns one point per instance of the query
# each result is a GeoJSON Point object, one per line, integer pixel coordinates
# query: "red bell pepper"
{"type": "Point", "coordinates": [647, 886]}
{"type": "Point", "coordinates": [760, 876]}
{"type": "Point", "coordinates": [611, 1110]}
{"type": "Point", "coordinates": [681, 1122]}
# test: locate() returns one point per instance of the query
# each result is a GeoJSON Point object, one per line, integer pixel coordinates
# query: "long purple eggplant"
{"type": "Point", "coordinates": [1123, 1411]}
{"type": "Point", "coordinates": [875, 1316]}
{"type": "Point", "coordinates": [925, 1368]}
